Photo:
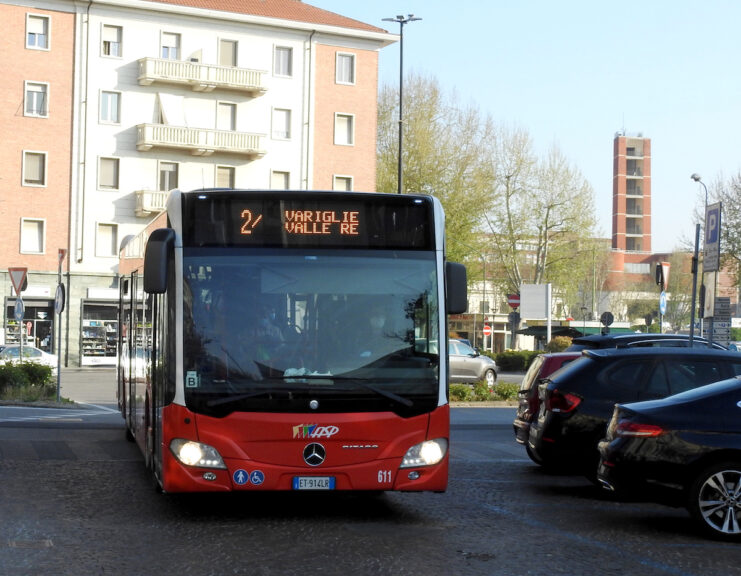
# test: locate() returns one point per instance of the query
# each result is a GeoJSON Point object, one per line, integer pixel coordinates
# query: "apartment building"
{"type": "Point", "coordinates": [167, 94]}
{"type": "Point", "coordinates": [35, 160]}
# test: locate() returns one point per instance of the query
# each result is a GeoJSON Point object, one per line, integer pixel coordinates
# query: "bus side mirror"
{"type": "Point", "coordinates": [160, 242]}
{"type": "Point", "coordinates": [457, 291]}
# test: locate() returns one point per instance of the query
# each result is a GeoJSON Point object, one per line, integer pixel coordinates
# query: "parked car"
{"type": "Point", "coordinates": [527, 396]}
{"type": "Point", "coordinates": [687, 446]}
{"type": "Point", "coordinates": [11, 353]}
{"type": "Point", "coordinates": [577, 402]}
{"type": "Point", "coordinates": [639, 339]}
{"type": "Point", "coordinates": [468, 366]}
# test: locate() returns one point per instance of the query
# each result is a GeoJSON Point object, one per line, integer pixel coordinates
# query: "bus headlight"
{"type": "Point", "coordinates": [193, 453]}
{"type": "Point", "coordinates": [425, 454]}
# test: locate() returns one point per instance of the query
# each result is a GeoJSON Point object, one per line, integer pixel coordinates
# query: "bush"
{"type": "Point", "coordinates": [558, 344]}
{"type": "Point", "coordinates": [515, 360]}
{"type": "Point", "coordinates": [481, 392]}
{"type": "Point", "coordinates": [460, 393]}
{"type": "Point", "coordinates": [505, 391]}
{"type": "Point", "coordinates": [27, 382]}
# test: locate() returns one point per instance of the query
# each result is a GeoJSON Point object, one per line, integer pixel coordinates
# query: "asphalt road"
{"type": "Point", "coordinates": [75, 499]}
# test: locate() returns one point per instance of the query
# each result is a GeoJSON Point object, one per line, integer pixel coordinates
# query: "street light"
{"type": "Point", "coordinates": [401, 19]}
{"type": "Point", "coordinates": [697, 178]}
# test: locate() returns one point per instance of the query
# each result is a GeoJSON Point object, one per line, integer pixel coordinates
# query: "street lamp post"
{"type": "Point", "coordinates": [401, 19]}
{"type": "Point", "coordinates": [697, 178]}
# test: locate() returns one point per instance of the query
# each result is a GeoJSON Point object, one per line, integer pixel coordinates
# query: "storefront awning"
{"type": "Point", "coordinates": [570, 331]}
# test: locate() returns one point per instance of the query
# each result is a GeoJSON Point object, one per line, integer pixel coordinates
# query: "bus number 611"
{"type": "Point", "coordinates": [384, 476]}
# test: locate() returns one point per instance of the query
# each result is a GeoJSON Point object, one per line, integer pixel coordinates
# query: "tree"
{"type": "Point", "coordinates": [442, 156]}
{"type": "Point", "coordinates": [541, 212]}
{"type": "Point", "coordinates": [730, 242]}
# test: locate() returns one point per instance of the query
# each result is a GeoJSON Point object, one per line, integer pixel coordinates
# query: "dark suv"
{"type": "Point", "coordinates": [576, 403]}
{"type": "Point", "coordinates": [639, 339]}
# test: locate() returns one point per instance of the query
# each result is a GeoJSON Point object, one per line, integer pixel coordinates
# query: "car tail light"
{"type": "Point", "coordinates": [630, 428]}
{"type": "Point", "coordinates": [562, 402]}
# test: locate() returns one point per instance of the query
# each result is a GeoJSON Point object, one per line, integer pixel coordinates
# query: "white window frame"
{"type": "Point", "coordinates": [286, 179]}
{"type": "Point", "coordinates": [118, 173]}
{"type": "Point", "coordinates": [30, 17]}
{"type": "Point", "coordinates": [178, 48]}
{"type": "Point", "coordinates": [289, 51]}
{"type": "Point", "coordinates": [232, 172]}
{"type": "Point", "coordinates": [345, 178]}
{"type": "Point", "coordinates": [340, 69]}
{"type": "Point", "coordinates": [106, 251]}
{"type": "Point", "coordinates": [235, 43]}
{"type": "Point", "coordinates": [103, 41]}
{"type": "Point", "coordinates": [281, 131]}
{"type": "Point", "coordinates": [46, 169]}
{"type": "Point", "coordinates": [350, 136]}
{"type": "Point", "coordinates": [23, 250]}
{"type": "Point", "coordinates": [26, 85]}
{"type": "Point", "coordinates": [101, 118]}
{"type": "Point", "coordinates": [159, 174]}
{"type": "Point", "coordinates": [222, 104]}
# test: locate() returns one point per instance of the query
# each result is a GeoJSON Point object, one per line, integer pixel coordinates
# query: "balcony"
{"type": "Point", "coordinates": [633, 229]}
{"type": "Point", "coordinates": [149, 203]}
{"type": "Point", "coordinates": [201, 77]}
{"type": "Point", "coordinates": [199, 141]}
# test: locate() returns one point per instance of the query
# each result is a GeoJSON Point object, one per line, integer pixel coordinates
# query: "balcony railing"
{"type": "Point", "coordinates": [201, 77]}
{"type": "Point", "coordinates": [200, 141]}
{"type": "Point", "coordinates": [149, 203]}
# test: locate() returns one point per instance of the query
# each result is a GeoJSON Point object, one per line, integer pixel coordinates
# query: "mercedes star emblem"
{"type": "Point", "coordinates": [314, 454]}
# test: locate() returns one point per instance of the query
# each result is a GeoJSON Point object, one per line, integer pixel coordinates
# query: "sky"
{"type": "Point", "coordinates": [574, 73]}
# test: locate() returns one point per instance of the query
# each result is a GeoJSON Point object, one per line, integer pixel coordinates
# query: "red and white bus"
{"type": "Point", "coordinates": [284, 340]}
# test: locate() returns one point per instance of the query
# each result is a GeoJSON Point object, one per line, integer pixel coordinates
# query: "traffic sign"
{"type": "Point", "coordinates": [487, 330]}
{"type": "Point", "coordinates": [18, 278]}
{"type": "Point", "coordinates": [59, 299]}
{"type": "Point", "coordinates": [19, 310]}
{"type": "Point", "coordinates": [513, 300]}
{"type": "Point", "coordinates": [662, 303]}
{"type": "Point", "coordinates": [711, 258]}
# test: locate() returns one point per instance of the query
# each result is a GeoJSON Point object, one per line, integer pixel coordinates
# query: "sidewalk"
{"type": "Point", "coordinates": [94, 385]}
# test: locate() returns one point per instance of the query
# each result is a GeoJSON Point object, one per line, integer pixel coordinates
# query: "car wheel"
{"type": "Point", "coordinates": [715, 500]}
{"type": "Point", "coordinates": [533, 456]}
{"type": "Point", "coordinates": [491, 378]}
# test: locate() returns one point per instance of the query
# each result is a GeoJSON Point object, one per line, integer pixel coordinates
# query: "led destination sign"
{"type": "Point", "coordinates": [309, 219]}
{"type": "Point", "coordinates": [324, 222]}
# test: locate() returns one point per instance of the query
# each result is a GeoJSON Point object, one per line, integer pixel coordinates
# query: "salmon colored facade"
{"type": "Point", "coordinates": [47, 135]}
{"type": "Point", "coordinates": [359, 102]}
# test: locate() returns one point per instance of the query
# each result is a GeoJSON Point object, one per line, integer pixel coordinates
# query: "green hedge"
{"type": "Point", "coordinates": [515, 360]}
{"type": "Point", "coordinates": [26, 382]}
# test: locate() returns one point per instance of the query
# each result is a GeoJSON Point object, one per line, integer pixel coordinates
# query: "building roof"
{"type": "Point", "coordinates": [294, 10]}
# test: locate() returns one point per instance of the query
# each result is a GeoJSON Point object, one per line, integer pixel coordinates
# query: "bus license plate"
{"type": "Point", "coordinates": [313, 483]}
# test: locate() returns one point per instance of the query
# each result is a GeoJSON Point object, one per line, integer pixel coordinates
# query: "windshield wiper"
{"type": "Point", "coordinates": [237, 398]}
{"type": "Point", "coordinates": [380, 391]}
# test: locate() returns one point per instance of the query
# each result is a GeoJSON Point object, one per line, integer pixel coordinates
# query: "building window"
{"type": "Point", "coordinates": [637, 268]}
{"type": "Point", "coordinates": [37, 32]}
{"type": "Point", "coordinates": [32, 236]}
{"type": "Point", "coordinates": [34, 168]}
{"type": "Point", "coordinates": [227, 53]}
{"type": "Point", "coordinates": [111, 38]}
{"type": "Point", "coordinates": [283, 61]}
{"type": "Point", "coordinates": [345, 68]}
{"type": "Point", "coordinates": [110, 107]}
{"type": "Point", "coordinates": [168, 176]}
{"type": "Point", "coordinates": [281, 124]}
{"type": "Point", "coordinates": [225, 176]}
{"type": "Point", "coordinates": [344, 129]}
{"type": "Point", "coordinates": [226, 116]}
{"type": "Point", "coordinates": [280, 180]}
{"type": "Point", "coordinates": [342, 184]}
{"type": "Point", "coordinates": [37, 98]}
{"type": "Point", "coordinates": [170, 46]}
{"type": "Point", "coordinates": [106, 240]}
{"type": "Point", "coordinates": [108, 174]}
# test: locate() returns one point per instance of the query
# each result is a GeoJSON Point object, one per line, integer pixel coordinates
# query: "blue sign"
{"type": "Point", "coordinates": [711, 259]}
{"type": "Point", "coordinates": [662, 303]}
{"type": "Point", "coordinates": [240, 477]}
{"type": "Point", "coordinates": [257, 477]}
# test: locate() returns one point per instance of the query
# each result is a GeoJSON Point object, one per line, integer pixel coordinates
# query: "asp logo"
{"type": "Point", "coordinates": [314, 431]}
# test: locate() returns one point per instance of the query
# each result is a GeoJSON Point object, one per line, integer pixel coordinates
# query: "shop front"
{"type": "Point", "coordinates": [99, 333]}
{"type": "Point", "coordinates": [37, 326]}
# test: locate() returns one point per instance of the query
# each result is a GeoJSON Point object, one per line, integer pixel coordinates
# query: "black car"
{"type": "Point", "coordinates": [639, 339]}
{"type": "Point", "coordinates": [576, 403]}
{"type": "Point", "coordinates": [687, 445]}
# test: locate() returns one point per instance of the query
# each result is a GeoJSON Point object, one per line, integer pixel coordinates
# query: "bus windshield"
{"type": "Point", "coordinates": [277, 329]}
